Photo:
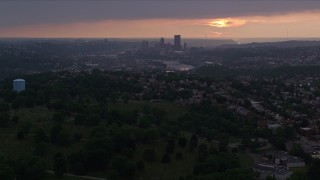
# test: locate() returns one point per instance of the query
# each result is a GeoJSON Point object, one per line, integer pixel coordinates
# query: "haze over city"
{"type": "Point", "coordinates": [140, 18]}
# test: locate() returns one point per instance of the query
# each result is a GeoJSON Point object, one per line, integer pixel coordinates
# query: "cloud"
{"type": "Point", "coordinates": [211, 26]}
{"type": "Point", "coordinates": [16, 13]}
{"type": "Point", "coordinates": [217, 34]}
{"type": "Point", "coordinates": [286, 18]}
{"type": "Point", "coordinates": [275, 19]}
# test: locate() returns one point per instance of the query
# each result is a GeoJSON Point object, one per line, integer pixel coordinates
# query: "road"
{"type": "Point", "coordinates": [84, 177]}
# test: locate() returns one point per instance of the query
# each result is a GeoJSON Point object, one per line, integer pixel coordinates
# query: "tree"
{"type": "Point", "coordinates": [59, 117]}
{"type": "Point", "coordinates": [313, 171]}
{"type": "Point", "coordinates": [271, 177]}
{"type": "Point", "coordinates": [304, 123]}
{"type": "Point", "coordinates": [193, 142]}
{"type": "Point", "coordinates": [4, 119]}
{"type": "Point", "coordinates": [76, 163]}
{"type": "Point", "coordinates": [182, 142]}
{"type": "Point", "coordinates": [20, 135]}
{"type": "Point", "coordinates": [217, 163]}
{"type": "Point", "coordinates": [59, 136]}
{"type": "Point", "coordinates": [140, 165]}
{"type": "Point", "coordinates": [166, 158]}
{"type": "Point", "coordinates": [59, 165]}
{"type": "Point", "coordinates": [80, 119]}
{"type": "Point", "coordinates": [6, 171]}
{"type": "Point", "coordinates": [202, 152]}
{"type": "Point", "coordinates": [41, 149]}
{"type": "Point", "coordinates": [30, 168]}
{"type": "Point", "coordinates": [297, 151]}
{"type": "Point", "coordinates": [96, 159]}
{"type": "Point", "coordinates": [298, 176]}
{"type": "Point", "coordinates": [203, 148]}
{"type": "Point", "coordinates": [170, 146]}
{"type": "Point", "coordinates": [145, 121]}
{"type": "Point", "coordinates": [150, 135]}
{"type": "Point", "coordinates": [15, 119]}
{"type": "Point", "coordinates": [93, 120]}
{"type": "Point", "coordinates": [149, 155]}
{"type": "Point", "coordinates": [4, 107]}
{"type": "Point", "coordinates": [77, 136]}
{"type": "Point", "coordinates": [40, 136]}
{"type": "Point", "coordinates": [25, 127]}
{"type": "Point", "coordinates": [123, 166]}
{"type": "Point", "coordinates": [223, 139]}
{"type": "Point", "coordinates": [179, 155]}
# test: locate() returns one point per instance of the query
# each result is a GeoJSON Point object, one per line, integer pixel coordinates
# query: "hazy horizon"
{"type": "Point", "coordinates": [170, 39]}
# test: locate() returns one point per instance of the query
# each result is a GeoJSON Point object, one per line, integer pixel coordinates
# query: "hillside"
{"type": "Point", "coordinates": [73, 123]}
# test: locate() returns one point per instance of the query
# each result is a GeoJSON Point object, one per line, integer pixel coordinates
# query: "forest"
{"type": "Point", "coordinates": [94, 124]}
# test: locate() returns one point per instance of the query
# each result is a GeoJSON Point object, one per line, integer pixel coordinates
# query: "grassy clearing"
{"type": "Point", "coordinates": [172, 170]}
{"type": "Point", "coordinates": [52, 177]}
{"type": "Point", "coordinates": [173, 110]}
{"type": "Point", "coordinates": [303, 170]}
{"type": "Point", "coordinates": [245, 160]}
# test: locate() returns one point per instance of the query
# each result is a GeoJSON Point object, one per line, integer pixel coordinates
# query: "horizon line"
{"type": "Point", "coordinates": [158, 37]}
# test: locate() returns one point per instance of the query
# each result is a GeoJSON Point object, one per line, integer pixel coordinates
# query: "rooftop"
{"type": "Point", "coordinates": [19, 80]}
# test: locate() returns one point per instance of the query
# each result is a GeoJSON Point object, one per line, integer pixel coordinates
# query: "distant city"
{"type": "Point", "coordinates": [177, 53]}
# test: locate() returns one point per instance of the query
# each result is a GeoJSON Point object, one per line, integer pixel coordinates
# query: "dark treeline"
{"type": "Point", "coordinates": [285, 70]}
{"type": "Point", "coordinates": [84, 132]}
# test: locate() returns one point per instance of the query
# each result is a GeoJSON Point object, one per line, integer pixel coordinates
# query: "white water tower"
{"type": "Point", "coordinates": [19, 85]}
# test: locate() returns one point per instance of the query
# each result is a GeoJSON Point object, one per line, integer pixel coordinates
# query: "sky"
{"type": "Point", "coordinates": [160, 18]}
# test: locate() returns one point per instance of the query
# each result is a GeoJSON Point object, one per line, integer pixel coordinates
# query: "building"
{"type": "Point", "coordinates": [161, 42]}
{"type": "Point", "coordinates": [185, 46]}
{"type": "Point", "coordinates": [19, 85]}
{"type": "Point", "coordinates": [306, 131]}
{"type": "Point", "coordinates": [177, 42]}
{"type": "Point", "coordinates": [277, 164]}
{"type": "Point", "coordinates": [144, 45]}
{"type": "Point", "coordinates": [266, 169]}
{"type": "Point", "coordinates": [274, 126]}
{"type": "Point", "coordinates": [283, 158]}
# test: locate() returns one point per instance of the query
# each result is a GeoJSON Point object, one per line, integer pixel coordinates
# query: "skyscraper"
{"type": "Point", "coordinates": [184, 46]}
{"type": "Point", "coordinates": [161, 42]}
{"type": "Point", "coordinates": [144, 45]}
{"type": "Point", "coordinates": [177, 42]}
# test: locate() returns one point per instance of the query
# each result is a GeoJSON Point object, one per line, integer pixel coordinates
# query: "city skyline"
{"type": "Point", "coordinates": [143, 19]}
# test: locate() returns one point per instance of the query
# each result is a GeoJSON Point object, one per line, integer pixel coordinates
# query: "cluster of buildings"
{"type": "Point", "coordinates": [277, 164]}
{"type": "Point", "coordinates": [161, 45]}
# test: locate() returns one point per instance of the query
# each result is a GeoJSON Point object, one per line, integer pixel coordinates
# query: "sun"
{"type": "Point", "coordinates": [227, 22]}
{"type": "Point", "coordinates": [218, 23]}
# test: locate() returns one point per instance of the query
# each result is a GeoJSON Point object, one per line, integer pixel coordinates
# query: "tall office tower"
{"type": "Point", "coordinates": [177, 42]}
{"type": "Point", "coordinates": [144, 45]}
{"type": "Point", "coordinates": [161, 42]}
{"type": "Point", "coordinates": [185, 46]}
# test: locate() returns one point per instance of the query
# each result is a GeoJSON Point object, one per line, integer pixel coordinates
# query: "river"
{"type": "Point", "coordinates": [177, 65]}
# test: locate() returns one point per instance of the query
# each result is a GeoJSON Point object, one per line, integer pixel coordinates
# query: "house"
{"type": "Point", "coordinates": [267, 169]}
{"type": "Point", "coordinates": [283, 158]}
{"type": "Point", "coordinates": [273, 127]}
{"type": "Point", "coordinates": [306, 131]}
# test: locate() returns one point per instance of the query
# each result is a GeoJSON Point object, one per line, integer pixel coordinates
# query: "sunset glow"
{"type": "Point", "coordinates": [245, 26]}
{"type": "Point", "coordinates": [217, 34]}
{"type": "Point", "coordinates": [228, 22]}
